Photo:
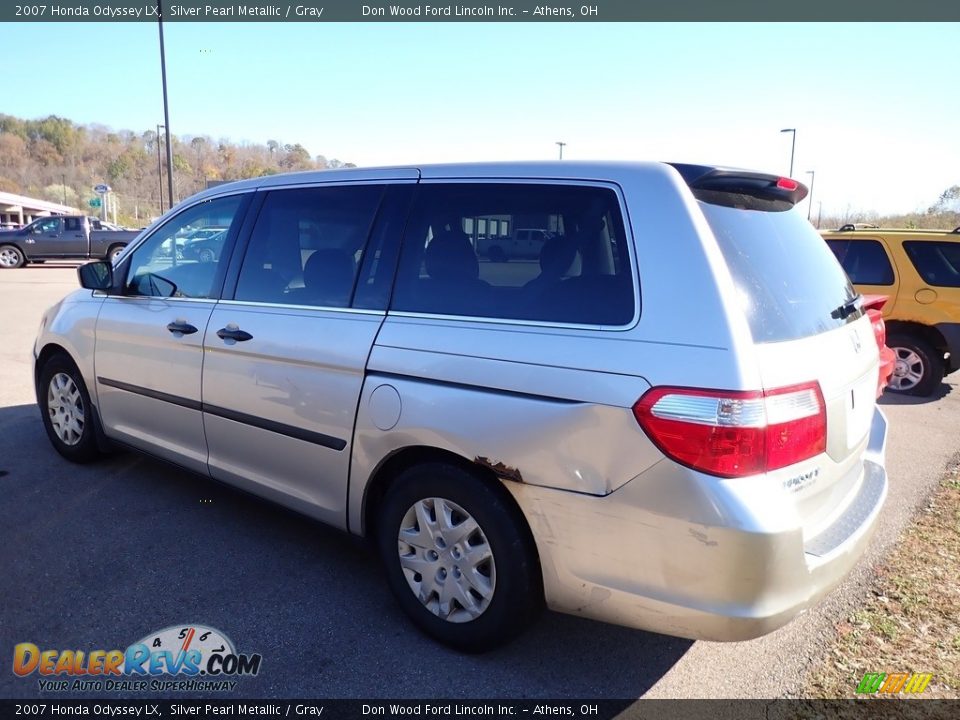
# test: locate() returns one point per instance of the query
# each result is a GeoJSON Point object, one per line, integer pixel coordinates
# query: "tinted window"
{"type": "Point", "coordinates": [73, 224]}
{"type": "Point", "coordinates": [937, 262]}
{"type": "Point", "coordinates": [865, 261]}
{"type": "Point", "coordinates": [49, 226]}
{"type": "Point", "coordinates": [168, 265]}
{"type": "Point", "coordinates": [789, 283]}
{"type": "Point", "coordinates": [469, 250]}
{"type": "Point", "coordinates": [307, 245]}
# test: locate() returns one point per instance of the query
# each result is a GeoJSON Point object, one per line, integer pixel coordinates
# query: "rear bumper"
{"type": "Point", "coordinates": [635, 558]}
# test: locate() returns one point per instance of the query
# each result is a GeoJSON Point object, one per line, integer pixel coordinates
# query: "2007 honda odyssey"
{"type": "Point", "coordinates": [665, 421]}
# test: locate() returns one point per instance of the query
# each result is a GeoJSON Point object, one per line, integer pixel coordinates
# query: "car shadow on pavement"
{"type": "Point", "coordinates": [890, 398]}
{"type": "Point", "coordinates": [102, 555]}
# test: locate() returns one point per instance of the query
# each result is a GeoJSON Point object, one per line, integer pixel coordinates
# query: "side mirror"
{"type": "Point", "coordinates": [96, 275]}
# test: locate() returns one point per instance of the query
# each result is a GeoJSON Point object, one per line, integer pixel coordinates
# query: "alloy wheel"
{"type": "Point", "coordinates": [908, 370]}
{"type": "Point", "coordinates": [9, 257]}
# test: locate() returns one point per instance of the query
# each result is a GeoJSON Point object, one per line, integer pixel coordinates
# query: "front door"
{"type": "Point", "coordinates": [47, 238]}
{"type": "Point", "coordinates": [149, 347]}
{"type": "Point", "coordinates": [285, 357]}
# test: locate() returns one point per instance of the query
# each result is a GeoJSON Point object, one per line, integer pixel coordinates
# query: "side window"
{"type": "Point", "coordinates": [865, 261]}
{"type": "Point", "coordinates": [49, 226]}
{"type": "Point", "coordinates": [938, 263]}
{"type": "Point", "coordinates": [175, 262]}
{"type": "Point", "coordinates": [558, 254]}
{"type": "Point", "coordinates": [73, 224]}
{"type": "Point", "coordinates": [307, 245]}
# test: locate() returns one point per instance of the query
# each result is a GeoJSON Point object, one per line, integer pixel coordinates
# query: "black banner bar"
{"type": "Point", "coordinates": [493, 11]}
{"type": "Point", "coordinates": [872, 708]}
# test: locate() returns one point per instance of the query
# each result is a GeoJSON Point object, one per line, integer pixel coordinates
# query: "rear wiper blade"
{"type": "Point", "coordinates": [847, 309]}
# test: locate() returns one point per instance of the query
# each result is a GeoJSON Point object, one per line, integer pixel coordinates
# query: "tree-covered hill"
{"type": "Point", "coordinates": [56, 159]}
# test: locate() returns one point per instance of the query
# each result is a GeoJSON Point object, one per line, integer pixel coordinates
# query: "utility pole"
{"type": "Point", "coordinates": [812, 174]}
{"type": "Point", "coordinates": [63, 184]}
{"type": "Point", "coordinates": [561, 144]}
{"type": "Point", "coordinates": [166, 106]}
{"type": "Point", "coordinates": [159, 170]}
{"type": "Point", "coordinates": [793, 145]}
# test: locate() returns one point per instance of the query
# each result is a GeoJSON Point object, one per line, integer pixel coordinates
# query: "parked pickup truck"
{"type": "Point", "coordinates": [61, 237]}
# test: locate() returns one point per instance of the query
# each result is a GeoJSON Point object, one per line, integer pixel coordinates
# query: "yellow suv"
{"type": "Point", "coordinates": [919, 271]}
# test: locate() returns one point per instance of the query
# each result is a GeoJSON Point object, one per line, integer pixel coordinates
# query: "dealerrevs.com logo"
{"type": "Point", "coordinates": [189, 658]}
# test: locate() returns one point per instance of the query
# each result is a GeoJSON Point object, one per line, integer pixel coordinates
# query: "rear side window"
{"type": "Point", "coordinates": [864, 261]}
{"type": "Point", "coordinates": [551, 253]}
{"type": "Point", "coordinates": [789, 284]}
{"type": "Point", "coordinates": [938, 263]}
{"type": "Point", "coordinates": [307, 244]}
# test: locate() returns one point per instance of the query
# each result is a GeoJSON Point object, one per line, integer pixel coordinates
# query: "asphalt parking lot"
{"type": "Point", "coordinates": [99, 556]}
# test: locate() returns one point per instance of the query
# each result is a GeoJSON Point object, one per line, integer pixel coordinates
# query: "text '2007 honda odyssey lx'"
{"type": "Point", "coordinates": [667, 420]}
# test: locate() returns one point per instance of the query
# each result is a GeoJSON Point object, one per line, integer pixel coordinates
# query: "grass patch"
{"type": "Point", "coordinates": [910, 622]}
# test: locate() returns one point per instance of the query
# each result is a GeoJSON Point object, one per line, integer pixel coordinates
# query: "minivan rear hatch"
{"type": "Point", "coordinates": [807, 323]}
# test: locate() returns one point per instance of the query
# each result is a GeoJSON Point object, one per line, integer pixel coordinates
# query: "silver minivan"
{"type": "Point", "coordinates": [667, 420]}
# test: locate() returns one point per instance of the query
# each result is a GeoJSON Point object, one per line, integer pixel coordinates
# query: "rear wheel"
{"type": "Point", "coordinates": [11, 257]}
{"type": "Point", "coordinates": [67, 412]}
{"type": "Point", "coordinates": [206, 255]}
{"type": "Point", "coordinates": [918, 370]}
{"type": "Point", "coordinates": [458, 558]}
{"type": "Point", "coordinates": [114, 252]}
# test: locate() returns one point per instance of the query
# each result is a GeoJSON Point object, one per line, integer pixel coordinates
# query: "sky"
{"type": "Point", "coordinates": [875, 106]}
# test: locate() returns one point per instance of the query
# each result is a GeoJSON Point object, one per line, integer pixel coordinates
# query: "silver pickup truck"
{"type": "Point", "coordinates": [61, 237]}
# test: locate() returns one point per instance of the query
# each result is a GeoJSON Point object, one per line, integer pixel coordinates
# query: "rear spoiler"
{"type": "Point", "coordinates": [741, 182]}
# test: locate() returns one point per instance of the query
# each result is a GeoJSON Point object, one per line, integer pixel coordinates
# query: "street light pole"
{"type": "Point", "coordinates": [561, 144]}
{"type": "Point", "coordinates": [812, 174]}
{"type": "Point", "coordinates": [166, 107]}
{"type": "Point", "coordinates": [793, 145]}
{"type": "Point", "coordinates": [159, 170]}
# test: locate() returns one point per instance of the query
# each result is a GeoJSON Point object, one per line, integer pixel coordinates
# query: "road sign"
{"type": "Point", "coordinates": [101, 189]}
{"type": "Point", "coordinates": [94, 202]}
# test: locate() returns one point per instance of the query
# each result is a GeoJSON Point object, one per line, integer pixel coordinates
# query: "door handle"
{"type": "Point", "coordinates": [183, 328]}
{"type": "Point", "coordinates": [234, 334]}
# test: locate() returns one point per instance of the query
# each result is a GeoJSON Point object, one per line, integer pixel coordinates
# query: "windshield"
{"type": "Point", "coordinates": [789, 283]}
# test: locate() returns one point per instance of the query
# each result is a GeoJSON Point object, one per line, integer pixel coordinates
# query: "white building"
{"type": "Point", "coordinates": [20, 210]}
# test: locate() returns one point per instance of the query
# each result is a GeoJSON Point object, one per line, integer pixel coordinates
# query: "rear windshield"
{"type": "Point", "coordinates": [789, 283]}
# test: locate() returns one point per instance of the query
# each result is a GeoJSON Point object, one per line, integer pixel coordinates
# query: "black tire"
{"type": "Point", "coordinates": [916, 355]}
{"type": "Point", "coordinates": [114, 250]}
{"type": "Point", "coordinates": [84, 449]}
{"type": "Point", "coordinates": [496, 254]}
{"type": "Point", "coordinates": [206, 255]}
{"type": "Point", "coordinates": [517, 591]}
{"type": "Point", "coordinates": [11, 257]}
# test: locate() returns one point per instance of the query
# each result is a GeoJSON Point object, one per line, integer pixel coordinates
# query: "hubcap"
{"type": "Point", "coordinates": [908, 370]}
{"type": "Point", "coordinates": [116, 253]}
{"type": "Point", "coordinates": [9, 258]}
{"type": "Point", "coordinates": [65, 406]}
{"type": "Point", "coordinates": [447, 560]}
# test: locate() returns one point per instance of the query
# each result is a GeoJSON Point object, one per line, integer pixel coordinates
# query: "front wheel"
{"type": "Point", "coordinates": [458, 557]}
{"type": "Point", "coordinates": [11, 257]}
{"type": "Point", "coordinates": [67, 412]}
{"type": "Point", "coordinates": [917, 370]}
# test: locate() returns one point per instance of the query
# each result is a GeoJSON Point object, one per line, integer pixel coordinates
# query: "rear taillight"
{"type": "Point", "coordinates": [734, 433]}
{"type": "Point", "coordinates": [873, 304]}
{"type": "Point", "coordinates": [879, 327]}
